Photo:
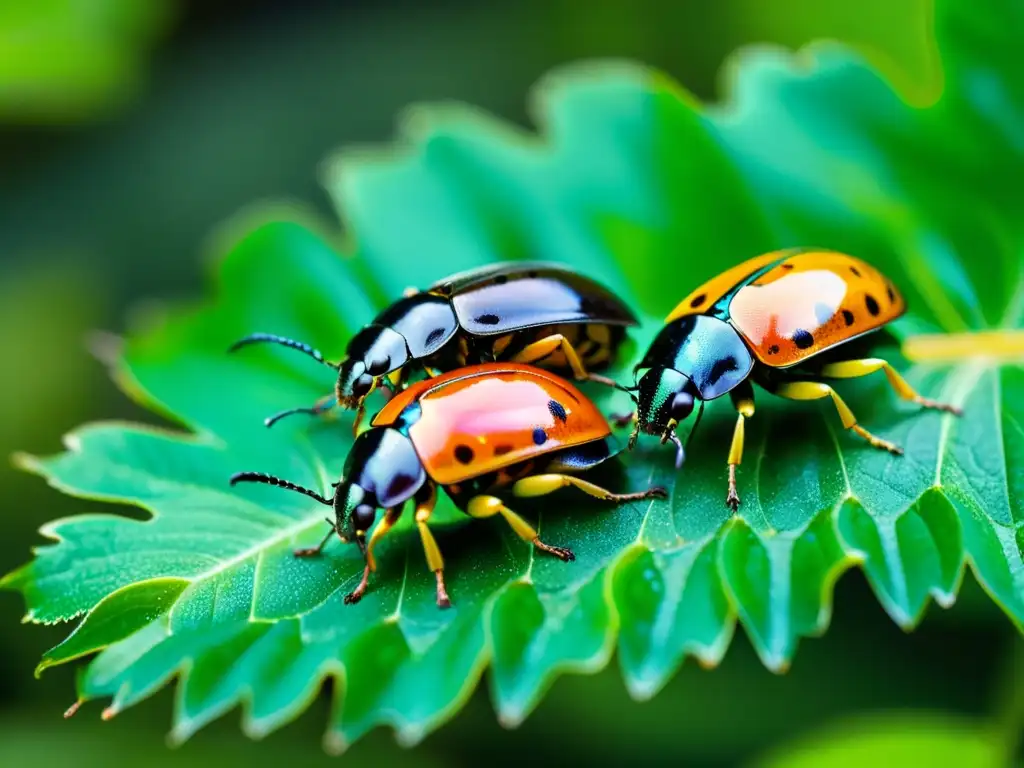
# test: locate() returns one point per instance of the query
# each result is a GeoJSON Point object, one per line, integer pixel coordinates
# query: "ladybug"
{"type": "Point", "coordinates": [475, 432]}
{"type": "Point", "coordinates": [524, 312]}
{"type": "Point", "coordinates": [783, 320]}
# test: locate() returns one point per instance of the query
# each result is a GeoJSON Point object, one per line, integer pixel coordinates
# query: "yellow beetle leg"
{"type": "Point", "coordinates": [541, 485]}
{"type": "Point", "coordinates": [852, 369]}
{"type": "Point", "coordinates": [385, 525]}
{"type": "Point", "coordinates": [489, 506]}
{"type": "Point", "coordinates": [745, 406]}
{"type": "Point", "coordinates": [361, 408]}
{"type": "Point", "coordinates": [815, 390]}
{"type": "Point", "coordinates": [540, 349]}
{"type": "Point", "coordinates": [357, 421]}
{"type": "Point", "coordinates": [425, 501]}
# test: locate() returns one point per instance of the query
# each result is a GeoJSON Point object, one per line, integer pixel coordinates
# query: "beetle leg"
{"type": "Point", "coordinates": [815, 390]}
{"type": "Point", "coordinates": [357, 421]}
{"type": "Point", "coordinates": [852, 369]}
{"type": "Point", "coordinates": [322, 405]}
{"type": "Point", "coordinates": [489, 506]}
{"type": "Point", "coordinates": [622, 420]}
{"type": "Point", "coordinates": [356, 594]}
{"type": "Point", "coordinates": [541, 485]}
{"type": "Point", "coordinates": [744, 404]}
{"type": "Point", "coordinates": [315, 551]}
{"type": "Point", "coordinates": [425, 499]}
{"type": "Point", "coordinates": [385, 525]}
{"type": "Point", "coordinates": [541, 348]}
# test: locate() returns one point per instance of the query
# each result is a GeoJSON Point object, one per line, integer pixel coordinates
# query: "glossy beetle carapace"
{"type": "Point", "coordinates": [479, 433]}
{"type": "Point", "coordinates": [525, 312]}
{"type": "Point", "coordinates": [783, 320]}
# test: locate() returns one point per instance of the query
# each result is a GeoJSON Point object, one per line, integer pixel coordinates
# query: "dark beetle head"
{"type": "Point", "coordinates": [373, 352]}
{"type": "Point", "coordinates": [383, 470]}
{"type": "Point", "coordinates": [665, 398]}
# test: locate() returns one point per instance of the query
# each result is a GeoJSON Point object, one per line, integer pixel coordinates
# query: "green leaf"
{"type": "Point", "coordinates": [73, 60]}
{"type": "Point", "coordinates": [895, 738]}
{"type": "Point", "coordinates": [635, 184]}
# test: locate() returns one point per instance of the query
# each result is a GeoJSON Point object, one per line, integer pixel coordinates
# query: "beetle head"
{"type": "Point", "coordinates": [383, 470]}
{"type": "Point", "coordinates": [372, 353]}
{"type": "Point", "coordinates": [665, 398]}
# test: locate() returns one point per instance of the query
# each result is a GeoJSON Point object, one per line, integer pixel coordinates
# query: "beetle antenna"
{"type": "Point", "coordinates": [260, 477]}
{"type": "Point", "coordinates": [315, 410]}
{"type": "Point", "coordinates": [680, 453]}
{"type": "Point", "coordinates": [306, 349]}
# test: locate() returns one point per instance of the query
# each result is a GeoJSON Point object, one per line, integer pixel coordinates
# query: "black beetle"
{"type": "Point", "coordinates": [526, 312]}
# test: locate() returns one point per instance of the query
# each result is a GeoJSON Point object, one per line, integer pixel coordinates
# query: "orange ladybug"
{"type": "Point", "coordinates": [475, 432]}
{"type": "Point", "coordinates": [768, 320]}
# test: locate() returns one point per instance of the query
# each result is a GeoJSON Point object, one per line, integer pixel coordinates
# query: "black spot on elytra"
{"type": "Point", "coordinates": [488, 319]}
{"type": "Point", "coordinates": [822, 313]}
{"type": "Point", "coordinates": [540, 436]}
{"type": "Point", "coordinates": [855, 271]}
{"type": "Point", "coordinates": [786, 266]}
{"type": "Point", "coordinates": [871, 304]}
{"type": "Point", "coordinates": [803, 339]}
{"type": "Point", "coordinates": [698, 300]}
{"type": "Point", "coordinates": [463, 454]}
{"type": "Point", "coordinates": [773, 349]}
{"type": "Point", "coordinates": [848, 317]}
{"type": "Point", "coordinates": [721, 367]}
{"type": "Point", "coordinates": [557, 410]}
{"type": "Point", "coordinates": [399, 485]}
{"type": "Point", "coordinates": [435, 336]}
{"type": "Point", "coordinates": [501, 279]}
{"type": "Point", "coordinates": [891, 294]}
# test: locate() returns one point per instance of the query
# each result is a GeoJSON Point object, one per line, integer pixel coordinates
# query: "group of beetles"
{"type": "Point", "coordinates": [491, 414]}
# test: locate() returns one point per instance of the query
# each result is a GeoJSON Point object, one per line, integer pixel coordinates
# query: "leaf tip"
{"type": "Point", "coordinates": [14, 582]}
{"type": "Point", "coordinates": [179, 734]}
{"type": "Point", "coordinates": [409, 736]}
{"type": "Point", "coordinates": [70, 711]}
{"type": "Point", "coordinates": [335, 743]}
{"type": "Point", "coordinates": [511, 717]}
{"type": "Point", "coordinates": [642, 689]}
{"type": "Point", "coordinates": [26, 462]}
{"type": "Point", "coordinates": [109, 713]}
{"type": "Point", "coordinates": [775, 662]}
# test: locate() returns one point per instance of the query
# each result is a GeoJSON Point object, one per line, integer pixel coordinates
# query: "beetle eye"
{"type": "Point", "coordinates": [681, 407]}
{"type": "Point", "coordinates": [378, 367]}
{"type": "Point", "coordinates": [362, 386]}
{"type": "Point", "coordinates": [363, 517]}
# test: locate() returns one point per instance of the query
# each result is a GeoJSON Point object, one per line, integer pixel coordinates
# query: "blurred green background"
{"type": "Point", "coordinates": [131, 129]}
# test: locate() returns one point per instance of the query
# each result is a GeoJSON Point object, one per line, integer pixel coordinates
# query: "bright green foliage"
{"type": "Point", "coordinates": [638, 186]}
{"type": "Point", "coordinates": [897, 738]}
{"type": "Point", "coordinates": [69, 60]}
